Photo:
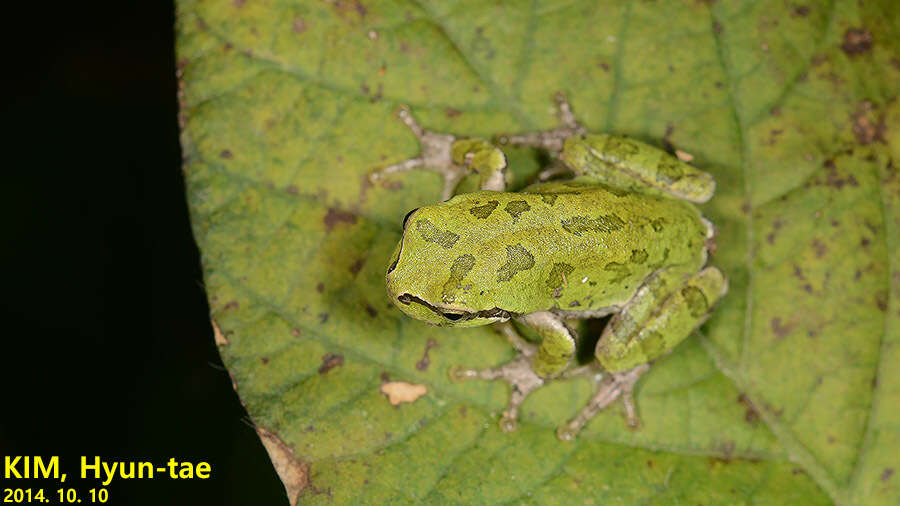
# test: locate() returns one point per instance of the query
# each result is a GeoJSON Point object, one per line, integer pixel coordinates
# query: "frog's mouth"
{"type": "Point", "coordinates": [457, 316]}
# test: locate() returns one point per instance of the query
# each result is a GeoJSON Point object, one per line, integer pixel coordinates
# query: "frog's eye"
{"type": "Point", "coordinates": [406, 218]}
{"type": "Point", "coordinates": [452, 316]}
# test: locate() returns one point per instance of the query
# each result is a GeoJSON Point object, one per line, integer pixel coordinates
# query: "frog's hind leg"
{"type": "Point", "coordinates": [614, 386]}
{"type": "Point", "coordinates": [550, 140]}
{"type": "Point", "coordinates": [518, 373]}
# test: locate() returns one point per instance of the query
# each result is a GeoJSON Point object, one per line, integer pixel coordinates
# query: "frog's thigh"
{"type": "Point", "coordinates": [557, 343]}
{"type": "Point", "coordinates": [662, 314]}
{"type": "Point", "coordinates": [636, 166]}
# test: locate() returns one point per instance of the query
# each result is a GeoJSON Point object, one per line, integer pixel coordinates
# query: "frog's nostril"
{"type": "Point", "coordinates": [405, 299]}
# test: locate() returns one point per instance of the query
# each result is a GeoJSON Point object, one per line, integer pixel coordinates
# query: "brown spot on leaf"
{"type": "Point", "coordinates": [299, 26]}
{"type": "Point", "coordinates": [800, 11]}
{"type": "Point", "coordinates": [881, 300]}
{"type": "Point", "coordinates": [346, 8]}
{"type": "Point", "coordinates": [886, 474]}
{"type": "Point", "coordinates": [357, 266]}
{"type": "Point", "coordinates": [780, 330]}
{"type": "Point", "coordinates": [231, 305]}
{"type": "Point", "coordinates": [751, 415]}
{"type": "Point", "coordinates": [866, 126]}
{"type": "Point", "coordinates": [330, 361]}
{"type": "Point", "coordinates": [423, 364]}
{"type": "Point", "coordinates": [371, 311]}
{"type": "Point", "coordinates": [335, 216]}
{"type": "Point", "coordinates": [820, 248]}
{"type": "Point", "coordinates": [226, 154]}
{"type": "Point", "coordinates": [834, 178]}
{"type": "Point", "coordinates": [777, 224]}
{"type": "Point", "coordinates": [264, 360]}
{"type": "Point", "coordinates": [857, 41]}
{"type": "Point", "coordinates": [320, 287]}
{"type": "Point", "coordinates": [451, 112]}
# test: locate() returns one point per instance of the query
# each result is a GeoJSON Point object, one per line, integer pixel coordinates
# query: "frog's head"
{"type": "Point", "coordinates": [432, 276]}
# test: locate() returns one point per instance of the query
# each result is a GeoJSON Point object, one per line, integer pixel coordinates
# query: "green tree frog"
{"type": "Point", "coordinates": [621, 238]}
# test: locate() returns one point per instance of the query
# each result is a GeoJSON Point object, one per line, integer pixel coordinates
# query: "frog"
{"type": "Point", "coordinates": [610, 229]}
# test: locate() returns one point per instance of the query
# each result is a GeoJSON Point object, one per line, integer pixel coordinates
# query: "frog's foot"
{"type": "Point", "coordinates": [615, 386]}
{"type": "Point", "coordinates": [551, 140]}
{"type": "Point", "coordinates": [436, 155]}
{"type": "Point", "coordinates": [518, 373]}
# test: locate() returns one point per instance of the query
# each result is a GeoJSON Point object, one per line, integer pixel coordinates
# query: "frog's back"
{"type": "Point", "coordinates": [557, 245]}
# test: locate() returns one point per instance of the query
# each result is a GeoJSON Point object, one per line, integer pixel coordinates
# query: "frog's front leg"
{"type": "Point", "coordinates": [550, 140]}
{"type": "Point", "coordinates": [453, 158]}
{"type": "Point", "coordinates": [534, 364]}
{"type": "Point", "coordinates": [661, 314]}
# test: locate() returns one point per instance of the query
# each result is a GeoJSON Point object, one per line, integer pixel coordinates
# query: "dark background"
{"type": "Point", "coordinates": [107, 346]}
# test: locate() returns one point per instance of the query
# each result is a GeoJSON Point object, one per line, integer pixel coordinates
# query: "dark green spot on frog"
{"type": "Point", "coordinates": [603, 223]}
{"type": "Point", "coordinates": [483, 211]}
{"type": "Point", "coordinates": [433, 234]}
{"type": "Point", "coordinates": [461, 266]}
{"type": "Point", "coordinates": [517, 259]}
{"type": "Point", "coordinates": [515, 208]}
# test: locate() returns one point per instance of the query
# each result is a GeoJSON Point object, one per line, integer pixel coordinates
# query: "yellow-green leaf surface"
{"type": "Point", "coordinates": [790, 394]}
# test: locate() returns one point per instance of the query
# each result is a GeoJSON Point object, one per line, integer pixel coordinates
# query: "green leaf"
{"type": "Point", "coordinates": [788, 395]}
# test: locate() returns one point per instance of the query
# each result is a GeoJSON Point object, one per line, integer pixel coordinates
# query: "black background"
{"type": "Point", "coordinates": [107, 346]}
